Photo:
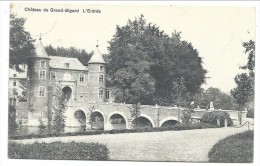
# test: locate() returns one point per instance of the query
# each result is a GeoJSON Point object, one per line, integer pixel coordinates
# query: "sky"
{"type": "Point", "coordinates": [216, 32]}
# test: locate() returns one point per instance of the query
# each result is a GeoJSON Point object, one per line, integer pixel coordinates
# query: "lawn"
{"type": "Point", "coordinates": [58, 151]}
{"type": "Point", "coordinates": [237, 148]}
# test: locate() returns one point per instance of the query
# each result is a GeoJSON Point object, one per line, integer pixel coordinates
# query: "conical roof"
{"type": "Point", "coordinates": [96, 57]}
{"type": "Point", "coordinates": [40, 51]}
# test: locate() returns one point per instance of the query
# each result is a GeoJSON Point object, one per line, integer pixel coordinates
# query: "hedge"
{"type": "Point", "coordinates": [211, 118]}
{"type": "Point", "coordinates": [238, 148]}
{"type": "Point", "coordinates": [58, 151]}
{"type": "Point", "coordinates": [98, 132]}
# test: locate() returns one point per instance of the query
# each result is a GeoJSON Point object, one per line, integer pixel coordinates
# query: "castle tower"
{"type": "Point", "coordinates": [37, 85]}
{"type": "Point", "coordinates": [97, 77]}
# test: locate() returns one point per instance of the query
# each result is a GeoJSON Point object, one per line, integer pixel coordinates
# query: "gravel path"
{"type": "Point", "coordinates": [189, 145]}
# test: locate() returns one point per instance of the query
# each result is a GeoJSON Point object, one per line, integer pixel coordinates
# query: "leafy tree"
{"type": "Point", "coordinates": [21, 43]}
{"type": "Point", "coordinates": [90, 119]}
{"type": "Point", "coordinates": [42, 127]}
{"type": "Point", "coordinates": [250, 51]}
{"type": "Point", "coordinates": [134, 113]}
{"type": "Point", "coordinates": [59, 107]}
{"type": "Point", "coordinates": [244, 91]}
{"type": "Point", "coordinates": [220, 99]}
{"type": "Point", "coordinates": [72, 52]}
{"type": "Point", "coordinates": [145, 63]}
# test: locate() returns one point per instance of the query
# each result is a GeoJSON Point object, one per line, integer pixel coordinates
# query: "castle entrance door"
{"type": "Point", "coordinates": [66, 93]}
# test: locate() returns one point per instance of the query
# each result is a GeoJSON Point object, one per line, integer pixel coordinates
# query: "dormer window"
{"type": "Point", "coordinates": [67, 65]}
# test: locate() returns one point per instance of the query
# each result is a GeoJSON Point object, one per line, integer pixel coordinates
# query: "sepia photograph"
{"type": "Point", "coordinates": [136, 82]}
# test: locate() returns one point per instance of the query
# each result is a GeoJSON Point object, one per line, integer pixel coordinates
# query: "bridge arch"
{"type": "Point", "coordinates": [147, 118]}
{"type": "Point", "coordinates": [80, 116]}
{"type": "Point", "coordinates": [97, 110]}
{"type": "Point", "coordinates": [119, 113]}
{"type": "Point", "coordinates": [167, 120]}
{"type": "Point", "coordinates": [98, 119]}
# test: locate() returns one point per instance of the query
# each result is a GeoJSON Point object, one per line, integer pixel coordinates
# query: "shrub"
{"type": "Point", "coordinates": [237, 148]}
{"type": "Point", "coordinates": [58, 151]}
{"type": "Point", "coordinates": [12, 124]}
{"type": "Point", "coordinates": [211, 118]}
{"type": "Point", "coordinates": [250, 113]}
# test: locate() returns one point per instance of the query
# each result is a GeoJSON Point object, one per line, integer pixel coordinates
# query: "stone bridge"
{"type": "Point", "coordinates": [118, 116]}
{"type": "Point", "coordinates": [109, 116]}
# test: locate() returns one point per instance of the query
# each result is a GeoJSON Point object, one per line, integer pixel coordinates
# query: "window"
{"type": "Point", "coordinates": [81, 77]}
{"type": "Point", "coordinates": [107, 94]}
{"type": "Point", "coordinates": [101, 78]}
{"type": "Point", "coordinates": [14, 83]}
{"type": "Point", "coordinates": [101, 68]}
{"type": "Point", "coordinates": [43, 64]}
{"type": "Point", "coordinates": [67, 65]}
{"type": "Point", "coordinates": [41, 91]}
{"type": "Point", "coordinates": [101, 93]}
{"type": "Point", "coordinates": [15, 75]}
{"type": "Point", "coordinates": [42, 74]}
{"type": "Point", "coordinates": [15, 92]}
{"type": "Point", "coordinates": [52, 75]}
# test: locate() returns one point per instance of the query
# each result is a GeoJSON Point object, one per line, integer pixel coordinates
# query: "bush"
{"type": "Point", "coordinates": [58, 151]}
{"type": "Point", "coordinates": [138, 130]}
{"type": "Point", "coordinates": [237, 148]}
{"type": "Point", "coordinates": [250, 113]}
{"type": "Point", "coordinates": [12, 124]}
{"type": "Point", "coordinates": [211, 118]}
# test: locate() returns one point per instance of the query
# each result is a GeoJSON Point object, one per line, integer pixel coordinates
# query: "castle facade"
{"type": "Point", "coordinates": [76, 83]}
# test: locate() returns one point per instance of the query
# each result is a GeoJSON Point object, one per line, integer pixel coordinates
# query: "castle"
{"type": "Point", "coordinates": [75, 81]}
{"type": "Point", "coordinates": [85, 91]}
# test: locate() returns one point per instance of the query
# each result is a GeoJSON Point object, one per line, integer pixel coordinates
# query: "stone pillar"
{"type": "Point", "coordinates": [107, 125]}
{"type": "Point", "coordinates": [218, 122]}
{"type": "Point", "coordinates": [179, 114]}
{"type": "Point", "coordinates": [225, 123]}
{"type": "Point", "coordinates": [157, 123]}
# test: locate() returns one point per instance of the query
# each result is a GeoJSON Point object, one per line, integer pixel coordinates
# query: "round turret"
{"type": "Point", "coordinates": [37, 86]}
{"type": "Point", "coordinates": [97, 75]}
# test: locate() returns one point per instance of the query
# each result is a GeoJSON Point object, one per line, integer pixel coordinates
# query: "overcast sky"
{"type": "Point", "coordinates": [216, 32]}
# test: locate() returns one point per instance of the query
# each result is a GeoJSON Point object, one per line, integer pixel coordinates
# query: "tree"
{"type": "Point", "coordinates": [220, 99]}
{"type": "Point", "coordinates": [42, 127]}
{"type": "Point", "coordinates": [21, 43]}
{"type": "Point", "coordinates": [144, 63]}
{"type": "Point", "coordinates": [244, 91]}
{"type": "Point", "coordinates": [59, 107]}
{"type": "Point", "coordinates": [72, 52]}
{"type": "Point", "coordinates": [134, 113]}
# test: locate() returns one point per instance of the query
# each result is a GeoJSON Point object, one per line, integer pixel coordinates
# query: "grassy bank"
{"type": "Point", "coordinates": [58, 151]}
{"type": "Point", "coordinates": [98, 132]}
{"type": "Point", "coordinates": [237, 148]}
